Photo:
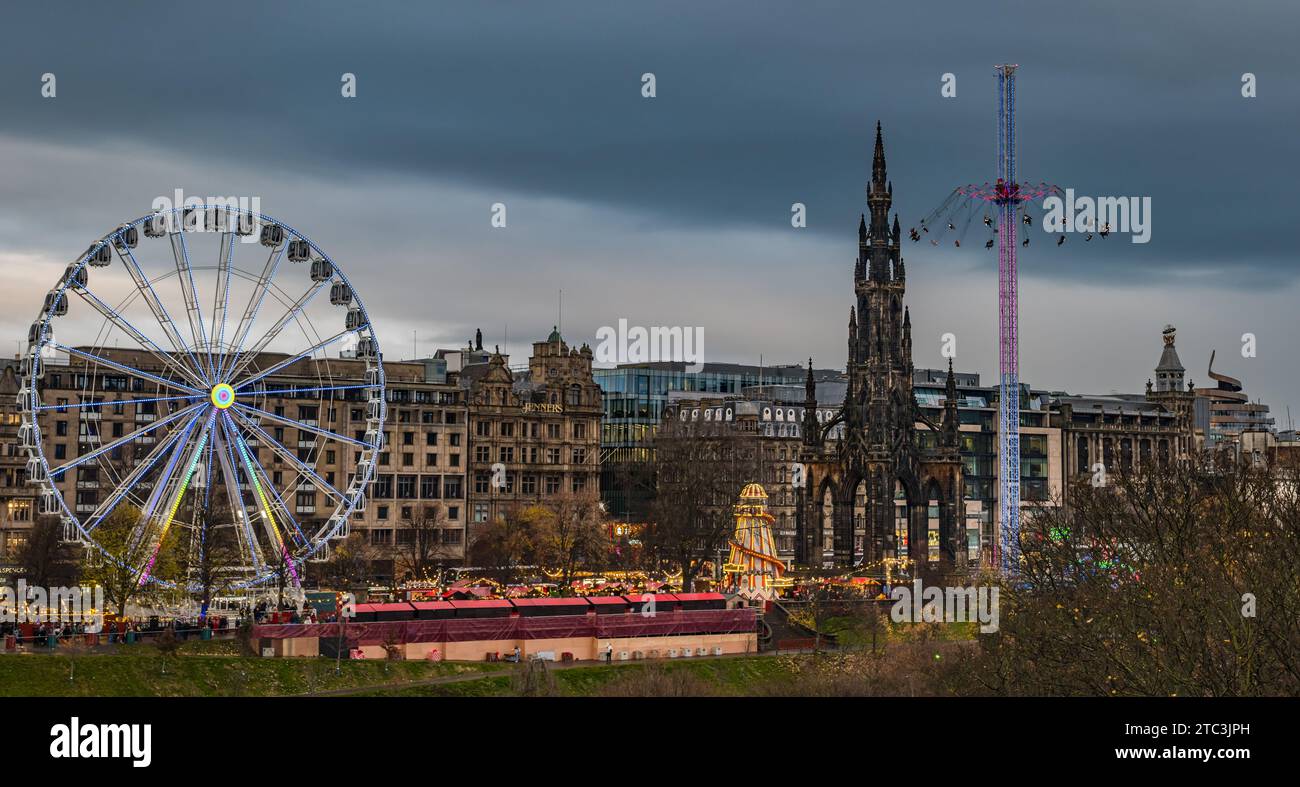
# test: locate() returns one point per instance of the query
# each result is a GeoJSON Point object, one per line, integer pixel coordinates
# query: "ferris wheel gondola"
{"type": "Point", "coordinates": [205, 393]}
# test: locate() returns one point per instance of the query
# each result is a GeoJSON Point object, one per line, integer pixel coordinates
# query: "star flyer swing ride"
{"type": "Point", "coordinates": [1009, 201]}
{"type": "Point", "coordinates": [199, 445]}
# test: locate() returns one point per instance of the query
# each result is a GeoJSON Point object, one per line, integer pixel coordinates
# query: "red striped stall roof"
{"type": "Point", "coordinates": [619, 600]}
{"type": "Point", "coordinates": [431, 605]}
{"type": "Point", "coordinates": [699, 596]}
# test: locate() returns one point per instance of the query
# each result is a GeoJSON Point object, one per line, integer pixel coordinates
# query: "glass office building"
{"type": "Point", "coordinates": [635, 396]}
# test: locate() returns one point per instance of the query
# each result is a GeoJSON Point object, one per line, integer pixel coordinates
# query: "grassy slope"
{"type": "Point", "coordinates": [201, 669]}
{"type": "Point", "coordinates": [728, 676]}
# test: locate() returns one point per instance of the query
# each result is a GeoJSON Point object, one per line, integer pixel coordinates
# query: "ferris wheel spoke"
{"type": "Point", "coordinates": [106, 402]}
{"type": "Point", "coordinates": [254, 305]}
{"type": "Point", "coordinates": [161, 485]}
{"type": "Point", "coordinates": [249, 546]}
{"type": "Point", "coordinates": [270, 370]}
{"type": "Point", "coordinates": [268, 515]}
{"type": "Point", "coordinates": [129, 484]}
{"type": "Point", "coordinates": [129, 438]}
{"type": "Point", "coordinates": [288, 455]}
{"type": "Point", "coordinates": [144, 341]}
{"type": "Point", "coordinates": [185, 275]}
{"type": "Point", "coordinates": [160, 312]}
{"type": "Point", "coordinates": [155, 544]}
{"type": "Point", "coordinates": [221, 300]}
{"type": "Point", "coordinates": [251, 354]}
{"type": "Point", "coordinates": [131, 370]}
{"type": "Point", "coordinates": [291, 391]}
{"type": "Point", "coordinates": [242, 445]}
{"type": "Point", "coordinates": [327, 434]}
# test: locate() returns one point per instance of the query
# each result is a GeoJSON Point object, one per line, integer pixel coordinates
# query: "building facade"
{"type": "Point", "coordinates": [420, 470]}
{"type": "Point", "coordinates": [635, 397]}
{"type": "Point", "coordinates": [533, 435]}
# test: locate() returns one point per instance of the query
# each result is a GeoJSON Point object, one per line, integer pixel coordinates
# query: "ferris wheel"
{"type": "Point", "coordinates": [256, 424]}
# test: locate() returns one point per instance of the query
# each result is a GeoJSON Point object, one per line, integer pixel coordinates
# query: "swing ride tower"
{"type": "Point", "coordinates": [1007, 198]}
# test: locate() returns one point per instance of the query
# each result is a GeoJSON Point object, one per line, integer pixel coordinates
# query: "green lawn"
{"type": "Point", "coordinates": [202, 669]}
{"type": "Point", "coordinates": [723, 676]}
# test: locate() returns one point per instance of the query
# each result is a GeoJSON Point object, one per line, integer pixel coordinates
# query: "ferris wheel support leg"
{"type": "Point", "coordinates": [177, 496]}
{"type": "Point", "coordinates": [161, 487]}
{"type": "Point", "coordinates": [249, 547]}
{"type": "Point", "coordinates": [268, 516]}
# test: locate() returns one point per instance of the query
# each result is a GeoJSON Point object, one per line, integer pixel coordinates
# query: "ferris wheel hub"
{"type": "Point", "coordinates": [222, 396]}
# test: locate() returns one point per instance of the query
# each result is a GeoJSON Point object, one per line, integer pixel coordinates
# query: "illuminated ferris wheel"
{"type": "Point", "coordinates": [179, 394]}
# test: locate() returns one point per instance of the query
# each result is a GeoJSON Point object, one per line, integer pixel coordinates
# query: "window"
{"type": "Point", "coordinates": [508, 429]}
{"type": "Point", "coordinates": [451, 487]}
{"type": "Point", "coordinates": [381, 538]}
{"type": "Point", "coordinates": [430, 438]}
{"type": "Point", "coordinates": [482, 453]}
{"type": "Point", "coordinates": [552, 456]}
{"type": "Point", "coordinates": [480, 512]}
{"type": "Point", "coordinates": [579, 456]}
{"type": "Point", "coordinates": [579, 430]}
{"type": "Point", "coordinates": [552, 484]}
{"type": "Point", "coordinates": [455, 439]}
{"type": "Point", "coordinates": [553, 431]}
{"type": "Point", "coordinates": [430, 487]}
{"type": "Point", "coordinates": [482, 483]}
{"type": "Point", "coordinates": [483, 428]}
{"type": "Point", "coordinates": [381, 512]}
{"type": "Point", "coordinates": [507, 453]}
{"type": "Point", "coordinates": [406, 486]}
{"type": "Point", "coordinates": [431, 460]}
{"type": "Point", "coordinates": [453, 513]}
{"type": "Point", "coordinates": [408, 438]}
{"type": "Point", "coordinates": [528, 485]}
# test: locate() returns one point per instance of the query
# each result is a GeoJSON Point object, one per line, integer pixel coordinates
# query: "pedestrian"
{"type": "Point", "coordinates": [609, 653]}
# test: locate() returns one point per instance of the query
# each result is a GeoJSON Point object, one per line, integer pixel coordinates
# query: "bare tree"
{"type": "Point", "coordinates": [1174, 580]}
{"type": "Point", "coordinates": [120, 575]}
{"type": "Point", "coordinates": [574, 534]}
{"type": "Point", "coordinates": [214, 551]}
{"type": "Point", "coordinates": [420, 548]}
{"type": "Point", "coordinates": [700, 469]}
{"type": "Point", "coordinates": [510, 541]}
{"type": "Point", "coordinates": [348, 565]}
{"type": "Point", "coordinates": [45, 558]}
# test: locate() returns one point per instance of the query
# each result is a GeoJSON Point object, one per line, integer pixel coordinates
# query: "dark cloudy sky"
{"type": "Point", "coordinates": [676, 210]}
